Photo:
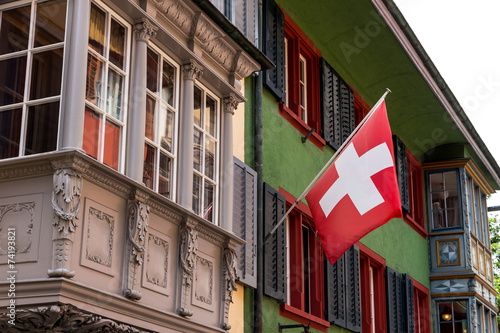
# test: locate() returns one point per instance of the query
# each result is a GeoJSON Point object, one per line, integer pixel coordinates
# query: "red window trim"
{"type": "Point", "coordinates": [360, 106]}
{"type": "Point", "coordinates": [295, 310]}
{"type": "Point", "coordinates": [416, 203]}
{"type": "Point", "coordinates": [300, 44]}
{"type": "Point", "coordinates": [419, 289]}
{"type": "Point", "coordinates": [370, 258]}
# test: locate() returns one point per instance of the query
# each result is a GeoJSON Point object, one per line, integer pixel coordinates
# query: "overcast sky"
{"type": "Point", "coordinates": [463, 40]}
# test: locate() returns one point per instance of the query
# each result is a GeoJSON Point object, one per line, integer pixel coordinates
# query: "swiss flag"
{"type": "Point", "coordinates": [359, 191]}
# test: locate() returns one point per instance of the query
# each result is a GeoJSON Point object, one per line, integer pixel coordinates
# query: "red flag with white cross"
{"type": "Point", "coordinates": [359, 191]}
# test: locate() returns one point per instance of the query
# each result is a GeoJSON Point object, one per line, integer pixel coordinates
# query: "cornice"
{"type": "Point", "coordinates": [30, 170]}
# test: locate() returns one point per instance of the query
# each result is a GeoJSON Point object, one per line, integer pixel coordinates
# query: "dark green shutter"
{"type": "Point", "coordinates": [408, 304]}
{"type": "Point", "coordinates": [335, 291]}
{"type": "Point", "coordinates": [244, 221]}
{"type": "Point", "coordinates": [402, 171]}
{"type": "Point", "coordinates": [353, 293]}
{"type": "Point", "coordinates": [337, 106]}
{"type": "Point", "coordinates": [275, 247]}
{"type": "Point", "coordinates": [274, 47]}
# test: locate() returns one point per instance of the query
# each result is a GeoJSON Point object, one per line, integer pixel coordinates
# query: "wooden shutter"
{"type": "Point", "coordinates": [274, 47]}
{"type": "Point", "coordinates": [395, 301]}
{"type": "Point", "coordinates": [347, 112]}
{"type": "Point", "coordinates": [408, 304]}
{"type": "Point", "coordinates": [343, 299]}
{"type": "Point", "coordinates": [402, 171]}
{"type": "Point", "coordinates": [244, 221]}
{"type": "Point", "coordinates": [275, 247]}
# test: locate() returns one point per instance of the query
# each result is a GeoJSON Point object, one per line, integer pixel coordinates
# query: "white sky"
{"type": "Point", "coordinates": [462, 37]}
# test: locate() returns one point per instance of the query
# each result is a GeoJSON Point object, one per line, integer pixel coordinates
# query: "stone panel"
{"type": "Point", "coordinates": [156, 267]}
{"type": "Point", "coordinates": [203, 291]}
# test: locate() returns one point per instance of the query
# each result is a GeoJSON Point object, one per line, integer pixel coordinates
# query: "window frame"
{"type": "Point", "coordinates": [370, 261]}
{"type": "Point", "coordinates": [159, 102]}
{"type": "Point", "coordinates": [125, 72]}
{"type": "Point", "coordinates": [294, 307]}
{"type": "Point", "coordinates": [459, 202]}
{"type": "Point", "coordinates": [438, 316]}
{"type": "Point", "coordinates": [27, 102]}
{"type": "Point", "coordinates": [215, 181]}
{"type": "Point", "coordinates": [421, 299]}
{"type": "Point", "coordinates": [416, 214]}
{"type": "Point", "coordinates": [296, 46]}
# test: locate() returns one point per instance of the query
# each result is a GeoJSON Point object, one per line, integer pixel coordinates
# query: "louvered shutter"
{"type": "Point", "coordinates": [275, 247]}
{"type": "Point", "coordinates": [330, 104]}
{"type": "Point", "coordinates": [335, 291]}
{"type": "Point", "coordinates": [274, 47]}
{"type": "Point", "coordinates": [402, 172]}
{"type": "Point", "coordinates": [244, 221]}
{"type": "Point", "coordinates": [347, 112]}
{"type": "Point", "coordinates": [245, 18]}
{"type": "Point", "coordinates": [408, 304]}
{"type": "Point", "coordinates": [353, 292]}
{"type": "Point", "coordinates": [394, 301]}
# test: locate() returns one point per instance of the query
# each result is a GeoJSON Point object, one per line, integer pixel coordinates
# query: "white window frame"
{"type": "Point", "coordinates": [101, 110]}
{"type": "Point", "coordinates": [219, 124]}
{"type": "Point", "coordinates": [303, 85]}
{"type": "Point", "coordinates": [175, 108]}
{"type": "Point", "coordinates": [26, 103]}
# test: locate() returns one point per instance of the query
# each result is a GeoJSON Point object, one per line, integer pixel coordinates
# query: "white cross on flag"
{"type": "Point", "coordinates": [359, 191]}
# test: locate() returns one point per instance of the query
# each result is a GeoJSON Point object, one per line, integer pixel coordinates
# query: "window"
{"type": "Point", "coordinates": [444, 197]}
{"type": "Point", "coordinates": [162, 85]}
{"type": "Point", "coordinates": [372, 291]}
{"type": "Point", "coordinates": [421, 306]}
{"type": "Point", "coordinates": [452, 317]}
{"type": "Point", "coordinates": [415, 213]}
{"type": "Point", "coordinates": [206, 145]}
{"type": "Point", "coordinates": [31, 60]}
{"type": "Point", "coordinates": [107, 81]}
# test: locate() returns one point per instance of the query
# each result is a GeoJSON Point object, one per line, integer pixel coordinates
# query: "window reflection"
{"type": "Point", "coordinates": [445, 199]}
{"type": "Point", "coordinates": [14, 30]}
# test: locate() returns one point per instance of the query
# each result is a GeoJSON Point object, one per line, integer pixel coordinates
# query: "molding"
{"type": "Point", "coordinates": [110, 220]}
{"type": "Point", "coordinates": [210, 235]}
{"type": "Point", "coordinates": [163, 243]}
{"type": "Point", "coordinates": [15, 208]}
{"type": "Point", "coordinates": [163, 209]}
{"type": "Point", "coordinates": [100, 178]}
{"type": "Point", "coordinates": [17, 172]}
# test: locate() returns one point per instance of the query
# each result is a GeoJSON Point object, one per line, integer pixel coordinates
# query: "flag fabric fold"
{"type": "Point", "coordinates": [359, 192]}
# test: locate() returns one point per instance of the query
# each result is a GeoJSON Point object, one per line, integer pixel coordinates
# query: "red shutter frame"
{"type": "Point", "coordinates": [416, 215]}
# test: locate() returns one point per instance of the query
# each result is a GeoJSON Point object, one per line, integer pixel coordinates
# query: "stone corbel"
{"type": "Point", "coordinates": [228, 282]}
{"type": "Point", "coordinates": [66, 204]}
{"type": "Point", "coordinates": [138, 220]}
{"type": "Point", "coordinates": [243, 66]}
{"type": "Point", "coordinates": [177, 13]}
{"type": "Point", "coordinates": [187, 251]}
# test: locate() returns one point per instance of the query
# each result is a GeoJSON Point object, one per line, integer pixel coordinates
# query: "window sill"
{"type": "Point", "coordinates": [303, 128]}
{"type": "Point", "coordinates": [302, 317]}
{"type": "Point", "coordinates": [417, 227]}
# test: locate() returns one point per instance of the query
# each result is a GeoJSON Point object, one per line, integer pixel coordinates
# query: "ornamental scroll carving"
{"type": "Point", "coordinates": [229, 283]}
{"type": "Point", "coordinates": [138, 220]}
{"type": "Point", "coordinates": [62, 318]}
{"type": "Point", "coordinates": [16, 208]}
{"type": "Point", "coordinates": [188, 250]}
{"type": "Point", "coordinates": [66, 204]}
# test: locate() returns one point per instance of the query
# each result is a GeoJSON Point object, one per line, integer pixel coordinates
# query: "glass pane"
{"type": "Point", "coordinates": [42, 128]}
{"type": "Point", "coordinates": [166, 128]}
{"type": "Point", "coordinates": [111, 145]}
{"type": "Point", "coordinates": [150, 117]}
{"type": "Point", "coordinates": [94, 87]}
{"type": "Point", "coordinates": [446, 328]}
{"type": "Point", "coordinates": [148, 176]}
{"type": "Point", "coordinates": [453, 217]}
{"type": "Point", "coordinates": [196, 194]}
{"type": "Point", "coordinates": [91, 132]}
{"type": "Point", "coordinates": [461, 326]}
{"type": "Point", "coordinates": [114, 102]}
{"type": "Point", "coordinates": [459, 310]}
{"type": "Point", "coordinates": [208, 200]}
{"type": "Point", "coordinates": [152, 71]}
{"type": "Point", "coordinates": [197, 151]}
{"type": "Point", "coordinates": [209, 158]}
{"type": "Point", "coordinates": [197, 106]}
{"type": "Point", "coordinates": [117, 44]}
{"type": "Point", "coordinates": [438, 219]}
{"type": "Point", "coordinates": [450, 180]}
{"type": "Point", "coordinates": [165, 175]}
{"type": "Point", "coordinates": [437, 199]}
{"type": "Point", "coordinates": [436, 180]}
{"type": "Point", "coordinates": [211, 114]}
{"type": "Point", "coordinates": [46, 74]}
{"type": "Point", "coordinates": [96, 30]}
{"type": "Point", "coordinates": [14, 30]}
{"type": "Point", "coordinates": [10, 132]}
{"type": "Point", "coordinates": [451, 198]}
{"type": "Point", "coordinates": [12, 79]}
{"type": "Point", "coordinates": [50, 22]}
{"type": "Point", "coordinates": [167, 83]}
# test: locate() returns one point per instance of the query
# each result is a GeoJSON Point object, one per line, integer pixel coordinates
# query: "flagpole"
{"type": "Point", "coordinates": [341, 148]}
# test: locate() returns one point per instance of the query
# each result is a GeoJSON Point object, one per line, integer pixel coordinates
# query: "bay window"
{"type": "Point", "coordinates": [162, 85]}
{"type": "Point", "coordinates": [444, 198]}
{"type": "Point", "coordinates": [206, 153]}
{"type": "Point", "coordinates": [452, 317]}
{"type": "Point", "coordinates": [107, 82]}
{"type": "Point", "coordinates": [32, 36]}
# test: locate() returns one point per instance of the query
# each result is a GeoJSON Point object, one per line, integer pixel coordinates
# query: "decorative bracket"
{"type": "Point", "coordinates": [188, 250]}
{"type": "Point", "coordinates": [228, 283]}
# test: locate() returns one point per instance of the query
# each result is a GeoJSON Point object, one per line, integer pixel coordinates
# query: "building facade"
{"type": "Point", "coordinates": [147, 148]}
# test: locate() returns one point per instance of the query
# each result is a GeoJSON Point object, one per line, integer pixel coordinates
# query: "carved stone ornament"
{"type": "Point", "coordinates": [145, 30]}
{"type": "Point", "coordinates": [192, 71]}
{"type": "Point", "coordinates": [188, 250]}
{"type": "Point", "coordinates": [66, 205]}
{"type": "Point", "coordinates": [138, 220]}
{"type": "Point", "coordinates": [62, 318]}
{"type": "Point", "coordinates": [16, 208]}
{"type": "Point", "coordinates": [229, 283]}
{"type": "Point", "coordinates": [230, 104]}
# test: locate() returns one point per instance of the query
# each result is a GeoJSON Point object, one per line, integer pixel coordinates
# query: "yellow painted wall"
{"type": "Point", "coordinates": [236, 314]}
